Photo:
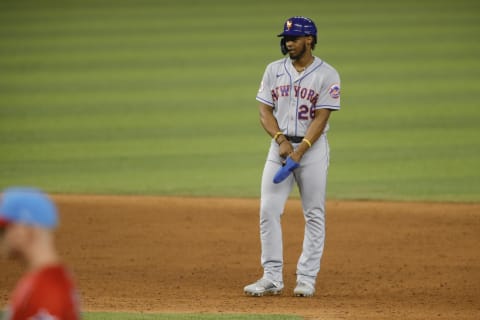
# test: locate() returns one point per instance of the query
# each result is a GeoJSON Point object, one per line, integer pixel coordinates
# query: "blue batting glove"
{"type": "Point", "coordinates": [285, 171]}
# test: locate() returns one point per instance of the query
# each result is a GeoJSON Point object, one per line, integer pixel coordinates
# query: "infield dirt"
{"type": "Point", "coordinates": [382, 260]}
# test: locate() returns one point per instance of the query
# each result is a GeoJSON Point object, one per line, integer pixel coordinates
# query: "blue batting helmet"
{"type": "Point", "coordinates": [299, 26]}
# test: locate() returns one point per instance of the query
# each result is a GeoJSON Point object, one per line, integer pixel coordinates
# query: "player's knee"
{"type": "Point", "coordinates": [315, 216]}
{"type": "Point", "coordinates": [270, 211]}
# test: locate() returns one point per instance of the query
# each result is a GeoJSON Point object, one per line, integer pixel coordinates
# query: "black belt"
{"type": "Point", "coordinates": [294, 139]}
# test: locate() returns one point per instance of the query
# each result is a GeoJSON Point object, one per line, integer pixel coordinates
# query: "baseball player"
{"type": "Point", "coordinates": [46, 291]}
{"type": "Point", "coordinates": [296, 95]}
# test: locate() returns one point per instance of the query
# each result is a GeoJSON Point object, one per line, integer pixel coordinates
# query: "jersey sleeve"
{"type": "Point", "coordinates": [53, 296]}
{"type": "Point", "coordinates": [264, 94]}
{"type": "Point", "coordinates": [329, 97]}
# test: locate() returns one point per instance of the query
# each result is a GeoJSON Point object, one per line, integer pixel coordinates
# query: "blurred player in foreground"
{"type": "Point", "coordinates": [46, 291]}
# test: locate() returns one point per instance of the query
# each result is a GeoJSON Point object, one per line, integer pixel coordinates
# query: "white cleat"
{"type": "Point", "coordinates": [263, 287]}
{"type": "Point", "coordinates": [304, 289]}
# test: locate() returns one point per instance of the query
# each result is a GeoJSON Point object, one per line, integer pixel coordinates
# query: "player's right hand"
{"type": "Point", "coordinates": [285, 148]}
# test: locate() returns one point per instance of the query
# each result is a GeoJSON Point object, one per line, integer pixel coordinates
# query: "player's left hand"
{"type": "Point", "coordinates": [296, 156]}
{"type": "Point", "coordinates": [285, 170]}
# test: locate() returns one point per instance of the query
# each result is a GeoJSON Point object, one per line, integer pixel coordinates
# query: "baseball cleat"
{"type": "Point", "coordinates": [304, 289]}
{"type": "Point", "coordinates": [263, 287]}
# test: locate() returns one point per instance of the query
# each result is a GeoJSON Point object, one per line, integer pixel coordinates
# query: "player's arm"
{"type": "Point", "coordinates": [314, 132]}
{"type": "Point", "coordinates": [270, 124]}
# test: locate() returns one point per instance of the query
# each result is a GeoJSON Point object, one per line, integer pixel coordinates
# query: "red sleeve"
{"type": "Point", "coordinates": [52, 295]}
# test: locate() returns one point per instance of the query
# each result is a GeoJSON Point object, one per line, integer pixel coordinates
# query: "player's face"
{"type": "Point", "coordinates": [14, 239]}
{"type": "Point", "coordinates": [297, 46]}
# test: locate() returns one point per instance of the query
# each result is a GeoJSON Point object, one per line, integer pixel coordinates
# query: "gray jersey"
{"type": "Point", "coordinates": [295, 96]}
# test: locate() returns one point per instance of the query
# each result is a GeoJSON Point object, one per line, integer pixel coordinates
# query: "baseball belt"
{"type": "Point", "coordinates": [294, 139]}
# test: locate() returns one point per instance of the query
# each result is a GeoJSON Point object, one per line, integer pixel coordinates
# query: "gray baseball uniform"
{"type": "Point", "coordinates": [294, 98]}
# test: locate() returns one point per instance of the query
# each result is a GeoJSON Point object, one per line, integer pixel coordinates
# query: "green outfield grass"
{"type": "Point", "coordinates": [158, 97]}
